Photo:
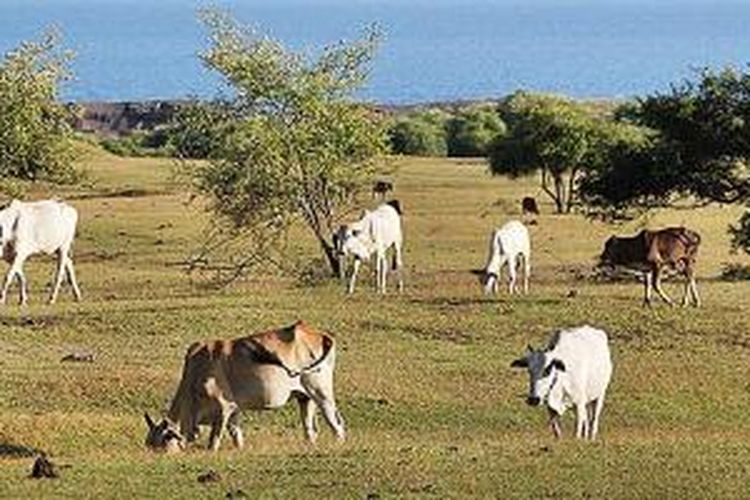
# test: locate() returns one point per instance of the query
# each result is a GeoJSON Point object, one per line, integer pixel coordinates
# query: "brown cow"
{"type": "Point", "coordinates": [650, 252]}
{"type": "Point", "coordinates": [260, 371]}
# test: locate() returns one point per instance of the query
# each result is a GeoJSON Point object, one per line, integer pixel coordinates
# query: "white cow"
{"type": "Point", "coordinates": [574, 369]}
{"type": "Point", "coordinates": [29, 228]}
{"type": "Point", "coordinates": [508, 244]}
{"type": "Point", "coordinates": [375, 233]}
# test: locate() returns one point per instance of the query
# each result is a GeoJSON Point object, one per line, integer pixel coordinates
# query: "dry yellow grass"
{"type": "Point", "coordinates": [423, 379]}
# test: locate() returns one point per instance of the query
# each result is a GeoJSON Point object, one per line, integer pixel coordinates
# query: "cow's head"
{"type": "Point", "coordinates": [608, 258]}
{"type": "Point", "coordinates": [543, 369]}
{"type": "Point", "coordinates": [487, 280]}
{"type": "Point", "coordinates": [350, 240]}
{"type": "Point", "coordinates": [164, 436]}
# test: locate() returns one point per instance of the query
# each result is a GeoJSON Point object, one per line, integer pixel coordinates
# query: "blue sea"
{"type": "Point", "coordinates": [433, 50]}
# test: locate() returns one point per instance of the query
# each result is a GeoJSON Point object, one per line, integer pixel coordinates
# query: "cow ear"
{"type": "Point", "coordinates": [529, 348]}
{"type": "Point", "coordinates": [520, 363]}
{"type": "Point", "coordinates": [149, 421]}
{"type": "Point", "coordinates": [558, 363]}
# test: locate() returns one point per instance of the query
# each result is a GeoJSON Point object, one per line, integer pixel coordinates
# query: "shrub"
{"type": "Point", "coordinates": [420, 134]}
{"type": "Point", "coordinates": [35, 128]}
{"type": "Point", "coordinates": [472, 130]}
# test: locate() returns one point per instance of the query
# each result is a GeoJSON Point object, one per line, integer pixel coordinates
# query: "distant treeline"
{"type": "Point", "coordinates": [461, 128]}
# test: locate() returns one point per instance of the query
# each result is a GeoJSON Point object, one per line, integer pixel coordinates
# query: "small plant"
{"type": "Point", "coordinates": [733, 271]}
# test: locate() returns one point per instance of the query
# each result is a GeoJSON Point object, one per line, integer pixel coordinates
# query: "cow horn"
{"type": "Point", "coordinates": [149, 422]}
{"type": "Point", "coordinates": [529, 348]}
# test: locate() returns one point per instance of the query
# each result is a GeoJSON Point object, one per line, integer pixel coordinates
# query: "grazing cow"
{"type": "Point", "coordinates": [261, 371]}
{"type": "Point", "coordinates": [529, 206]}
{"type": "Point", "coordinates": [508, 244]}
{"type": "Point", "coordinates": [375, 233]}
{"type": "Point", "coordinates": [29, 228]}
{"type": "Point", "coordinates": [649, 252]}
{"type": "Point", "coordinates": [381, 188]}
{"type": "Point", "coordinates": [575, 368]}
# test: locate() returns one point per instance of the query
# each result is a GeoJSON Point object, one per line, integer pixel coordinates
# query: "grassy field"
{"type": "Point", "coordinates": [423, 378]}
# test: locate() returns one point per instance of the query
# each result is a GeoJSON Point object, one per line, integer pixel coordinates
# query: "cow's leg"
{"type": "Point", "coordinates": [9, 277]}
{"type": "Point", "coordinates": [221, 414]}
{"type": "Point", "coordinates": [59, 273]}
{"type": "Point", "coordinates": [307, 413]}
{"type": "Point", "coordinates": [647, 288]}
{"type": "Point", "coordinates": [319, 387]}
{"type": "Point", "coordinates": [686, 294]}
{"type": "Point", "coordinates": [333, 417]}
{"type": "Point", "coordinates": [554, 423]}
{"type": "Point", "coordinates": [511, 274]}
{"type": "Point", "coordinates": [590, 410]}
{"type": "Point", "coordinates": [581, 421]}
{"type": "Point", "coordinates": [16, 269]}
{"type": "Point", "coordinates": [691, 288]}
{"type": "Point", "coordinates": [72, 278]}
{"type": "Point", "coordinates": [490, 285]}
{"type": "Point", "coordinates": [383, 271]}
{"type": "Point", "coordinates": [353, 279]}
{"type": "Point", "coordinates": [694, 289]}
{"type": "Point", "coordinates": [657, 287]}
{"type": "Point", "coordinates": [398, 265]}
{"type": "Point", "coordinates": [597, 411]}
{"type": "Point", "coordinates": [526, 272]}
{"type": "Point", "coordinates": [235, 432]}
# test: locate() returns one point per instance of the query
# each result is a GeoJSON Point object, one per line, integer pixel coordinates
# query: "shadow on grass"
{"type": "Point", "coordinates": [11, 450]}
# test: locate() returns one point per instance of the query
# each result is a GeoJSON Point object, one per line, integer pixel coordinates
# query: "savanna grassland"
{"type": "Point", "coordinates": [423, 379]}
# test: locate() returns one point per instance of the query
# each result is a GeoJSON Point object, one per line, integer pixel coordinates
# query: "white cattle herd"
{"type": "Point", "coordinates": [265, 370]}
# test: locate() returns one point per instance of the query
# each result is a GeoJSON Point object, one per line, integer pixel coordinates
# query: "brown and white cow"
{"type": "Point", "coordinates": [258, 372]}
{"type": "Point", "coordinates": [650, 252]}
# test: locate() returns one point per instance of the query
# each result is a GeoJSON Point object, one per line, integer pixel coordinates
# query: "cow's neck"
{"type": "Point", "coordinates": [180, 408]}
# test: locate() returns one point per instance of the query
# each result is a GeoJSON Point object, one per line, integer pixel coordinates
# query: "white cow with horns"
{"type": "Point", "coordinates": [511, 244]}
{"type": "Point", "coordinates": [375, 233]}
{"type": "Point", "coordinates": [574, 369]}
{"type": "Point", "coordinates": [29, 228]}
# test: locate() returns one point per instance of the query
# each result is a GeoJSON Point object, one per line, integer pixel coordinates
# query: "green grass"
{"type": "Point", "coordinates": [423, 379]}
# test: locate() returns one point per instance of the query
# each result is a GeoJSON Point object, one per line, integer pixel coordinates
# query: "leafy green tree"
{"type": "Point", "coordinates": [198, 127]}
{"type": "Point", "coordinates": [550, 135]}
{"type": "Point", "coordinates": [699, 148]}
{"type": "Point", "coordinates": [298, 146]}
{"type": "Point", "coordinates": [420, 134]}
{"type": "Point", "coordinates": [35, 128]}
{"type": "Point", "coordinates": [472, 130]}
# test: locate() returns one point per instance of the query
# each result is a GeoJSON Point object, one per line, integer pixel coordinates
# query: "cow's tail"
{"type": "Point", "coordinates": [396, 206]}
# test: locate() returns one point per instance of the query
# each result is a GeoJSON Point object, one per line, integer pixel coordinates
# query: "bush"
{"type": "Point", "coordinates": [36, 135]}
{"type": "Point", "coordinates": [419, 134]}
{"type": "Point", "coordinates": [197, 129]}
{"type": "Point", "coordinates": [735, 272]}
{"type": "Point", "coordinates": [472, 130]}
{"type": "Point", "coordinates": [139, 144]}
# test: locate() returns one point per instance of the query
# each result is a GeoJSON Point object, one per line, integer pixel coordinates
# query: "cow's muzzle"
{"type": "Point", "coordinates": [533, 400]}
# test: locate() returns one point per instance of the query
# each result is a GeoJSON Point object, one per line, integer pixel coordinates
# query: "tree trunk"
{"type": "Point", "coordinates": [331, 255]}
{"type": "Point", "coordinates": [556, 196]}
{"type": "Point", "coordinates": [571, 190]}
